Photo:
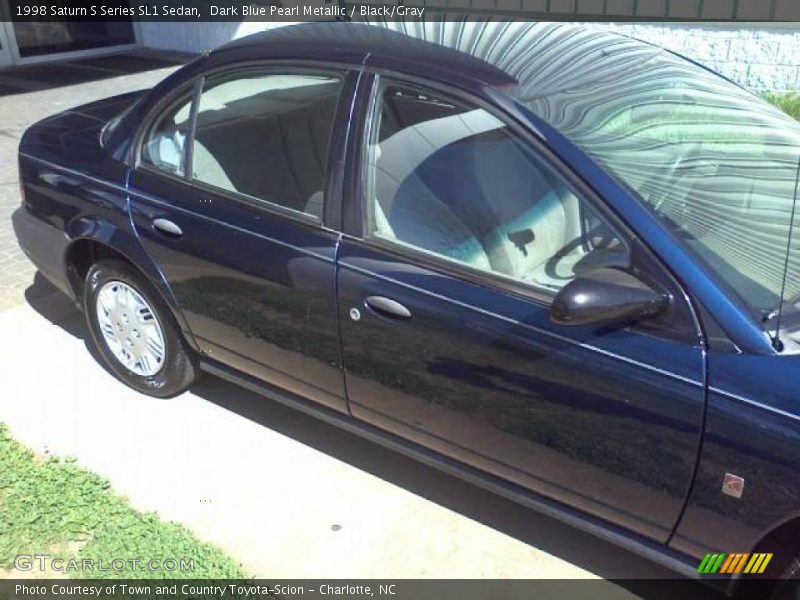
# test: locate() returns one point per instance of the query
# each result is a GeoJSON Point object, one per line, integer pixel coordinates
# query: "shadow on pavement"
{"type": "Point", "coordinates": [52, 304]}
{"type": "Point", "coordinates": [544, 533]}
{"type": "Point", "coordinates": [34, 78]}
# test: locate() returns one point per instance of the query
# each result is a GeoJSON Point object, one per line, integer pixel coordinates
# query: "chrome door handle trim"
{"type": "Point", "coordinates": [388, 307]}
{"type": "Point", "coordinates": [167, 227]}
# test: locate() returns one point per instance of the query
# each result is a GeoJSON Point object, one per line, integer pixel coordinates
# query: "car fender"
{"type": "Point", "coordinates": [127, 244]}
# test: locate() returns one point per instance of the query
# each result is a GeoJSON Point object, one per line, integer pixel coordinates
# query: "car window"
{"type": "Point", "coordinates": [267, 136]}
{"type": "Point", "coordinates": [716, 164]}
{"type": "Point", "coordinates": [165, 144]}
{"type": "Point", "coordinates": [452, 179]}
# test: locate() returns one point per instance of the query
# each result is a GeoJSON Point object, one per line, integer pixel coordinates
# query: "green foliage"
{"type": "Point", "coordinates": [788, 102]}
{"type": "Point", "coordinates": [54, 507]}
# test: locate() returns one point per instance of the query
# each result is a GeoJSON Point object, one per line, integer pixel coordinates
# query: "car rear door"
{"type": "Point", "coordinates": [229, 197]}
{"type": "Point", "coordinates": [460, 232]}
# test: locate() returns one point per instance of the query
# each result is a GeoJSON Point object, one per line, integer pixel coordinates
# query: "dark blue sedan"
{"type": "Point", "coordinates": [556, 262]}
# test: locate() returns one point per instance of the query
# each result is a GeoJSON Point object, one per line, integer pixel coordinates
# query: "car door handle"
{"type": "Point", "coordinates": [167, 227]}
{"type": "Point", "coordinates": [388, 307]}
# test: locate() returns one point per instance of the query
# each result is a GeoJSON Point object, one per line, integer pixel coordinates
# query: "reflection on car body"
{"type": "Point", "coordinates": [544, 258]}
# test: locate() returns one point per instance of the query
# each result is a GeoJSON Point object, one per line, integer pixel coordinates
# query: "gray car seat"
{"type": "Point", "coordinates": [535, 217]}
{"type": "Point", "coordinates": [276, 155]}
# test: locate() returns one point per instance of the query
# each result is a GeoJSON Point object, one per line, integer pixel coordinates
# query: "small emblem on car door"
{"type": "Point", "coordinates": [733, 485]}
{"type": "Point", "coordinates": [355, 314]}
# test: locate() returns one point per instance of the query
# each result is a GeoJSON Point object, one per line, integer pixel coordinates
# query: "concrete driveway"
{"type": "Point", "coordinates": [283, 493]}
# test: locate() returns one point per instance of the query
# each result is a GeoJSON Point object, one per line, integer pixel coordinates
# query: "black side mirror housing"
{"type": "Point", "coordinates": [606, 296]}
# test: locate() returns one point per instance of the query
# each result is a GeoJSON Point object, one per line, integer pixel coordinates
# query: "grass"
{"type": "Point", "coordinates": [53, 506]}
{"type": "Point", "coordinates": [788, 102]}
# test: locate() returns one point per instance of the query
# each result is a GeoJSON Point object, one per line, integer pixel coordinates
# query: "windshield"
{"type": "Point", "coordinates": [715, 163]}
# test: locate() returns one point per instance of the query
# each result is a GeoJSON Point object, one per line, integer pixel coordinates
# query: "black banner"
{"type": "Point", "coordinates": [384, 589]}
{"type": "Point", "coordinates": [429, 10]}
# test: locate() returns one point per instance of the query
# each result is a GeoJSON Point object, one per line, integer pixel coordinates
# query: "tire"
{"type": "Point", "coordinates": [787, 586]}
{"type": "Point", "coordinates": [134, 332]}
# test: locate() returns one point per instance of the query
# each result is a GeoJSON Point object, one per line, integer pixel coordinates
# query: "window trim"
{"type": "Point", "coordinates": [188, 155]}
{"type": "Point", "coordinates": [437, 262]}
{"type": "Point", "coordinates": [196, 84]}
{"type": "Point", "coordinates": [187, 91]}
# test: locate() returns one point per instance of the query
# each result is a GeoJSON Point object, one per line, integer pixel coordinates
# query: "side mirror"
{"type": "Point", "coordinates": [606, 296]}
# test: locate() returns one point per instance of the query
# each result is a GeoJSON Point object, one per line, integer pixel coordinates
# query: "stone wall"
{"type": "Point", "coordinates": [759, 56]}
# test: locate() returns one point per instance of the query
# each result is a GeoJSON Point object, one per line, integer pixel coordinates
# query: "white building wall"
{"type": "Point", "coordinates": [195, 37]}
{"type": "Point", "coordinates": [761, 57]}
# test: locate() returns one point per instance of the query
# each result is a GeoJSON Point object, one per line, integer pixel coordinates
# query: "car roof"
{"type": "Point", "coordinates": [356, 43]}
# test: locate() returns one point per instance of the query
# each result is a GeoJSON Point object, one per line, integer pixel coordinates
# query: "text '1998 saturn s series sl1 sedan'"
{"type": "Point", "coordinates": [556, 262]}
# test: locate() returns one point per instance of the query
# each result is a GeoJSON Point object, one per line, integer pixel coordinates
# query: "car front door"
{"type": "Point", "coordinates": [467, 232]}
{"type": "Point", "coordinates": [229, 198]}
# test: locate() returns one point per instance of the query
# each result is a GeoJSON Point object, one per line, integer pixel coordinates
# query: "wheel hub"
{"type": "Point", "coordinates": [130, 328]}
